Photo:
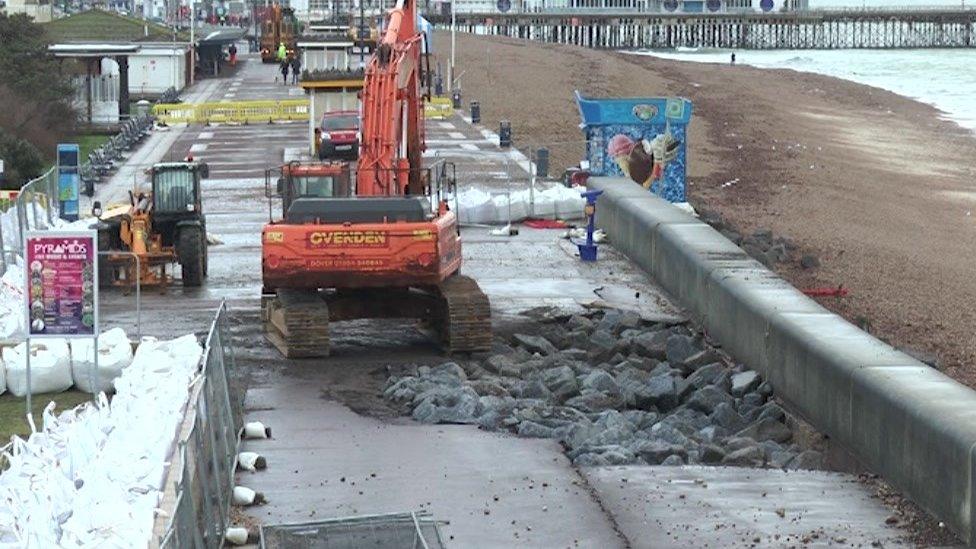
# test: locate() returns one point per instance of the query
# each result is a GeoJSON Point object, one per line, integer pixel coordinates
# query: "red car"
{"type": "Point", "coordinates": [339, 137]}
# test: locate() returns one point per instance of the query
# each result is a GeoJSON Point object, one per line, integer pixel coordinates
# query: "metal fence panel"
{"type": "Point", "coordinates": [204, 494]}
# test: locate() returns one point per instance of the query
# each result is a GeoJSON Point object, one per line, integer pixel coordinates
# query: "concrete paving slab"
{"type": "Point", "coordinates": [691, 506]}
{"type": "Point", "coordinates": [495, 490]}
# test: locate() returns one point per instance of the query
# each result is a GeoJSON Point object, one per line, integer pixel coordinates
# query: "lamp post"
{"type": "Point", "coordinates": [193, 43]}
{"type": "Point", "coordinates": [450, 66]}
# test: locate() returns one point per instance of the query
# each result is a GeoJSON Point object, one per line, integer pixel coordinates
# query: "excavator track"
{"type": "Point", "coordinates": [297, 323]}
{"type": "Point", "coordinates": [466, 316]}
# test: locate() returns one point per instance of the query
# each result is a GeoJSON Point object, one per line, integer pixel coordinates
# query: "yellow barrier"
{"type": "Point", "coordinates": [240, 112]}
{"type": "Point", "coordinates": [438, 108]}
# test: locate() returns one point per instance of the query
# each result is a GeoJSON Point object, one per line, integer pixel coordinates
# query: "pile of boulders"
{"type": "Point", "coordinates": [761, 245]}
{"type": "Point", "coordinates": [614, 390]}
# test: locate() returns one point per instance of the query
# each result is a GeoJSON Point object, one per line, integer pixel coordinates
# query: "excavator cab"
{"type": "Point", "coordinates": [303, 183]}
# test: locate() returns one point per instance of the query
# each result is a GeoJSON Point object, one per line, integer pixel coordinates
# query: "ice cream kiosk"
{"type": "Point", "coordinates": [640, 138]}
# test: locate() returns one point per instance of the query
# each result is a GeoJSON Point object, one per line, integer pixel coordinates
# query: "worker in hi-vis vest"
{"type": "Point", "coordinates": [282, 51]}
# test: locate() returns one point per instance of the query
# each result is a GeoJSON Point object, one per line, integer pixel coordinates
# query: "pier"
{"type": "Point", "coordinates": [842, 29]}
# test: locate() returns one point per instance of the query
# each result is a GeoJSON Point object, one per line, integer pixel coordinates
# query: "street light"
{"type": "Point", "coordinates": [450, 67]}
{"type": "Point", "coordinates": [193, 44]}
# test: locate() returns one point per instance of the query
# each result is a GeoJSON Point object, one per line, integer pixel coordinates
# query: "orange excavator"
{"type": "Point", "coordinates": [393, 248]}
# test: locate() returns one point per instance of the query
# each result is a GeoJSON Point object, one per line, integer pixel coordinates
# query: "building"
{"type": "Point", "coordinates": [116, 60]}
{"type": "Point", "coordinates": [40, 10]}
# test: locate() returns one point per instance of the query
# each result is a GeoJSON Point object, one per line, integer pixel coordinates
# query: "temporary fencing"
{"type": "Point", "coordinates": [239, 112]}
{"type": "Point", "coordinates": [438, 108]}
{"type": "Point", "coordinates": [199, 487]}
{"type": "Point", "coordinates": [36, 206]}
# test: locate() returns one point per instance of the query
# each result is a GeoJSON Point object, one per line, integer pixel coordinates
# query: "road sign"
{"type": "Point", "coordinates": [62, 289]}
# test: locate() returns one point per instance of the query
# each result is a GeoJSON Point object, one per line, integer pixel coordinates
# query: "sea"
{"type": "Point", "coordinates": [944, 78]}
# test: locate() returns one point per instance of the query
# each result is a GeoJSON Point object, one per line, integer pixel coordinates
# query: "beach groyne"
{"type": "Point", "coordinates": [902, 419]}
{"type": "Point", "coordinates": [843, 29]}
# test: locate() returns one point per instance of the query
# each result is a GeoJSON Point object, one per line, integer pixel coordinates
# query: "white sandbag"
{"type": "Point", "coordinates": [567, 202]}
{"type": "Point", "coordinates": [114, 354]}
{"type": "Point", "coordinates": [50, 367]}
{"type": "Point", "coordinates": [476, 206]}
{"type": "Point", "coordinates": [12, 326]}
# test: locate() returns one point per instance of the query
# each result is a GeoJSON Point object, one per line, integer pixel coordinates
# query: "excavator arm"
{"type": "Point", "coordinates": [390, 160]}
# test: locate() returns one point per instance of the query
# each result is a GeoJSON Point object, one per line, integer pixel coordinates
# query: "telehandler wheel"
{"type": "Point", "coordinates": [190, 250]}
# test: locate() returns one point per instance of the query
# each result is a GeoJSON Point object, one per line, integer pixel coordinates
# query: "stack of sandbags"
{"type": "Point", "coordinates": [50, 362]}
{"type": "Point", "coordinates": [114, 354]}
{"type": "Point", "coordinates": [93, 476]}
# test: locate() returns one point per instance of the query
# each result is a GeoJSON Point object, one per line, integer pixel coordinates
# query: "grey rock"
{"type": "Point", "coordinates": [685, 388]}
{"type": "Point", "coordinates": [612, 435]}
{"type": "Point", "coordinates": [713, 433]}
{"type": "Point", "coordinates": [755, 399]}
{"type": "Point", "coordinates": [810, 459]}
{"type": "Point", "coordinates": [664, 368]}
{"type": "Point", "coordinates": [711, 453]}
{"type": "Point", "coordinates": [673, 460]}
{"type": "Point", "coordinates": [778, 253]}
{"type": "Point", "coordinates": [686, 419]}
{"type": "Point", "coordinates": [535, 344]}
{"type": "Point", "coordinates": [602, 345]}
{"type": "Point", "coordinates": [598, 380]}
{"type": "Point", "coordinates": [616, 322]}
{"type": "Point", "coordinates": [495, 363]}
{"type": "Point", "coordinates": [561, 381]}
{"type": "Point", "coordinates": [744, 382]}
{"type": "Point", "coordinates": [748, 411]}
{"type": "Point", "coordinates": [575, 435]}
{"type": "Point", "coordinates": [590, 460]}
{"type": "Point", "coordinates": [425, 412]}
{"type": "Point", "coordinates": [640, 419]}
{"type": "Point", "coordinates": [750, 456]}
{"type": "Point", "coordinates": [766, 429]}
{"type": "Point", "coordinates": [699, 359]}
{"type": "Point", "coordinates": [656, 451]}
{"type": "Point", "coordinates": [738, 443]}
{"type": "Point", "coordinates": [633, 382]}
{"type": "Point", "coordinates": [765, 389]}
{"type": "Point", "coordinates": [662, 392]}
{"type": "Point", "coordinates": [780, 458]}
{"type": "Point", "coordinates": [522, 368]}
{"type": "Point", "coordinates": [771, 410]}
{"type": "Point", "coordinates": [679, 348]}
{"type": "Point", "coordinates": [449, 369]}
{"type": "Point", "coordinates": [503, 404]}
{"type": "Point", "coordinates": [671, 435]}
{"type": "Point", "coordinates": [531, 429]}
{"type": "Point", "coordinates": [706, 375]}
{"type": "Point", "coordinates": [593, 401]}
{"type": "Point", "coordinates": [491, 420]}
{"type": "Point", "coordinates": [809, 261]}
{"type": "Point", "coordinates": [532, 389]}
{"type": "Point", "coordinates": [725, 416]}
{"type": "Point", "coordinates": [707, 398]}
{"type": "Point", "coordinates": [485, 387]}
{"type": "Point", "coordinates": [580, 322]}
{"type": "Point", "coordinates": [652, 344]}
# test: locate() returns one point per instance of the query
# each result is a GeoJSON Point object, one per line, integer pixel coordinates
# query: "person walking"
{"type": "Point", "coordinates": [733, 58]}
{"type": "Point", "coordinates": [296, 68]}
{"type": "Point", "coordinates": [232, 50]}
{"type": "Point", "coordinates": [284, 72]}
